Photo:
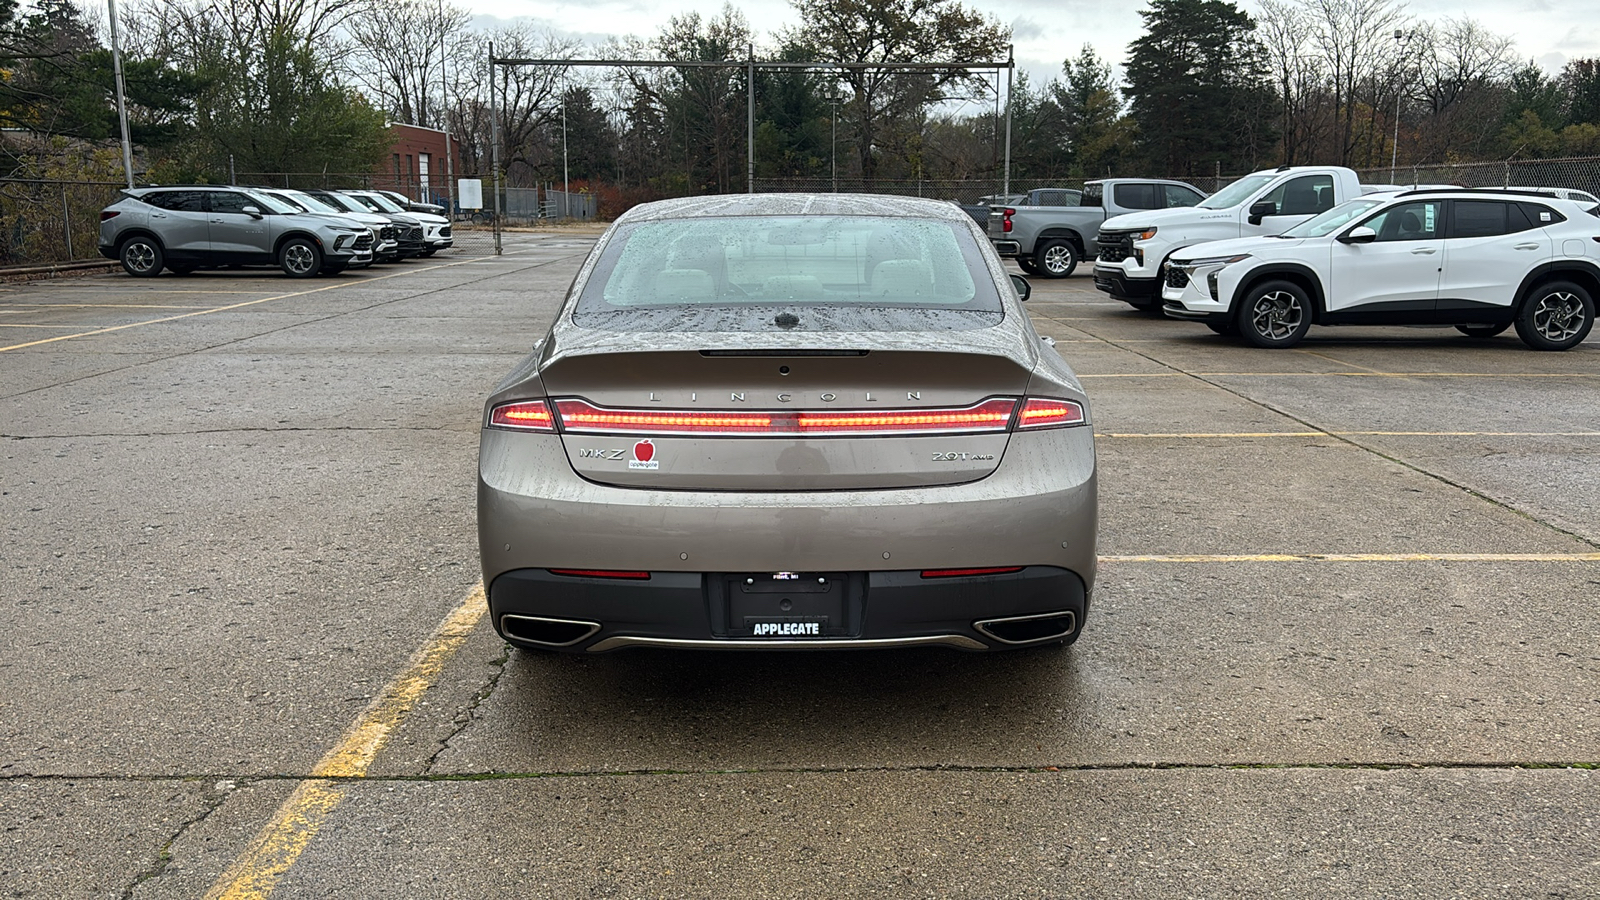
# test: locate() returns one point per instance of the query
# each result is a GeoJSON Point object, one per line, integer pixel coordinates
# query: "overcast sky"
{"type": "Point", "coordinates": [1549, 32]}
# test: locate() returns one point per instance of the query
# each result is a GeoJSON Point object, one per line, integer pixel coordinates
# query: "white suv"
{"type": "Point", "coordinates": [1481, 261]}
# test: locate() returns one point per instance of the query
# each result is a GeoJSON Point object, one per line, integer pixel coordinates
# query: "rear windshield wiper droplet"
{"type": "Point", "coordinates": [786, 320]}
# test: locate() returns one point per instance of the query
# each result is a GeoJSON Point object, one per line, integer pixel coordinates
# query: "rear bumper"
{"type": "Point", "coordinates": [1007, 248]}
{"type": "Point", "coordinates": [1039, 509]}
{"type": "Point", "coordinates": [686, 610]}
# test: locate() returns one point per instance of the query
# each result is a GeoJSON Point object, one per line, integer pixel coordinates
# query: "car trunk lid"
{"type": "Point", "coordinates": [823, 417]}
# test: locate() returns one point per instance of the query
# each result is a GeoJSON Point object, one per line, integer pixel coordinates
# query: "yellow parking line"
{"type": "Point", "coordinates": [233, 306]}
{"type": "Point", "coordinates": [279, 843]}
{"type": "Point", "coordinates": [1356, 557]}
{"type": "Point", "coordinates": [123, 292]}
{"type": "Point", "coordinates": [1341, 362]}
{"type": "Point", "coordinates": [1273, 434]}
{"type": "Point", "coordinates": [1341, 374]}
{"type": "Point", "coordinates": [21, 306]}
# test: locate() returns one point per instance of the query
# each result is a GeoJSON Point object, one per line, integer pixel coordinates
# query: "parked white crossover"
{"type": "Point", "coordinates": [1481, 261]}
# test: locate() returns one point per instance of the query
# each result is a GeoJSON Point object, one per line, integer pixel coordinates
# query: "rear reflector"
{"type": "Point", "coordinates": [525, 415]}
{"type": "Point", "coordinates": [1042, 413]}
{"type": "Point", "coordinates": [963, 573]}
{"type": "Point", "coordinates": [993, 415]}
{"type": "Point", "coordinates": [601, 573]}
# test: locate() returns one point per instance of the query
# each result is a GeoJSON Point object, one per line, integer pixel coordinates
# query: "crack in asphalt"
{"type": "Point", "coordinates": [221, 791]}
{"type": "Point", "coordinates": [310, 321]}
{"type": "Point", "coordinates": [1345, 439]}
{"type": "Point", "coordinates": [466, 715]}
{"type": "Point", "coordinates": [1042, 768]}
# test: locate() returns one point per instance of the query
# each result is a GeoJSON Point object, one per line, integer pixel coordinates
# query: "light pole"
{"type": "Point", "coordinates": [833, 154]}
{"type": "Point", "coordinates": [449, 151]}
{"type": "Point", "coordinates": [566, 180]}
{"type": "Point", "coordinates": [122, 106]}
{"type": "Point", "coordinates": [1394, 149]}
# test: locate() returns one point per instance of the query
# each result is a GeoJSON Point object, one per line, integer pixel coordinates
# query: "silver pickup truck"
{"type": "Point", "coordinates": [1049, 240]}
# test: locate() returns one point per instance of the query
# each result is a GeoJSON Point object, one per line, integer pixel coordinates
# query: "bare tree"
{"type": "Point", "coordinates": [524, 96]}
{"type": "Point", "coordinates": [1284, 30]}
{"type": "Point", "coordinates": [1459, 80]}
{"type": "Point", "coordinates": [399, 48]}
{"type": "Point", "coordinates": [1352, 37]}
{"type": "Point", "coordinates": [896, 31]}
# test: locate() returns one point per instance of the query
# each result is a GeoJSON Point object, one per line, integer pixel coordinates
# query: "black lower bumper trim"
{"type": "Point", "coordinates": [536, 608]}
{"type": "Point", "coordinates": [1138, 291]}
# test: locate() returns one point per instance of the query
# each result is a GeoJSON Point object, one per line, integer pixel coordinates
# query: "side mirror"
{"type": "Point", "coordinates": [1023, 288]}
{"type": "Point", "coordinates": [1261, 209]}
{"type": "Point", "coordinates": [1361, 234]}
{"type": "Point", "coordinates": [251, 211]}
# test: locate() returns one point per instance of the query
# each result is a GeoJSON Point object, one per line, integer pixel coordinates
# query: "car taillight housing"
{"type": "Point", "coordinates": [109, 214]}
{"type": "Point", "coordinates": [524, 415]}
{"type": "Point", "coordinates": [1041, 412]}
{"type": "Point", "coordinates": [995, 415]}
{"type": "Point", "coordinates": [1005, 220]}
{"type": "Point", "coordinates": [581, 417]}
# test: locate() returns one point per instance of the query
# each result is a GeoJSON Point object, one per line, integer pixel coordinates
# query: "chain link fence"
{"type": "Point", "coordinates": [961, 190]}
{"type": "Point", "coordinates": [51, 222]}
{"type": "Point", "coordinates": [44, 223]}
{"type": "Point", "coordinates": [1580, 173]}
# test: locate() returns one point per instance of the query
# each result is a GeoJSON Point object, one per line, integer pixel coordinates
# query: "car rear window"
{"type": "Point", "coordinates": [795, 273]}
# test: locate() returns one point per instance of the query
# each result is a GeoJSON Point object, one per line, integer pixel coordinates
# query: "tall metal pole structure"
{"type": "Point", "coordinates": [750, 123]}
{"type": "Point", "coordinates": [1394, 149]}
{"type": "Point", "coordinates": [833, 156]}
{"type": "Point", "coordinates": [449, 150]}
{"type": "Point", "coordinates": [494, 139]}
{"type": "Point", "coordinates": [1011, 64]}
{"type": "Point", "coordinates": [566, 179]}
{"type": "Point", "coordinates": [122, 105]}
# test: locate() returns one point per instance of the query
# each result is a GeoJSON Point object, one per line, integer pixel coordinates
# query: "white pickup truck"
{"type": "Point", "coordinates": [1132, 247]}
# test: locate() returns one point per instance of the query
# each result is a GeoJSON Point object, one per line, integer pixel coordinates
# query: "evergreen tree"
{"type": "Point", "coordinates": [1198, 86]}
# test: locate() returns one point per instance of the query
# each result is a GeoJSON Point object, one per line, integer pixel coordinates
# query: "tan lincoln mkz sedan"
{"type": "Point", "coordinates": [789, 422]}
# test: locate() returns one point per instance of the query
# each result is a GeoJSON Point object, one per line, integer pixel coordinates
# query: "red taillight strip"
{"type": "Point", "coordinates": [1041, 413]}
{"type": "Point", "coordinates": [601, 573]}
{"type": "Point", "coordinates": [526, 415]}
{"type": "Point", "coordinates": [960, 573]}
{"type": "Point", "coordinates": [989, 416]}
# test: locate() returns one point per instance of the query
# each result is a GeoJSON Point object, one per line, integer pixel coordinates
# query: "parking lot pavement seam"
{"type": "Point", "coordinates": [1350, 438]}
{"type": "Point", "coordinates": [279, 843]}
{"type": "Point", "coordinates": [1273, 434]}
{"type": "Point", "coordinates": [344, 782]}
{"type": "Point", "coordinates": [464, 717]}
{"type": "Point", "coordinates": [222, 790]}
{"type": "Point", "coordinates": [314, 321]}
{"type": "Point", "coordinates": [1352, 557]}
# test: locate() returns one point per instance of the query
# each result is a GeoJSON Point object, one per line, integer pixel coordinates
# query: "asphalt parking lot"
{"type": "Point", "coordinates": [1343, 642]}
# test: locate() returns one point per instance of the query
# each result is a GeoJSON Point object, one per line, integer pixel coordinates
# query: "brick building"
{"type": "Point", "coordinates": [416, 165]}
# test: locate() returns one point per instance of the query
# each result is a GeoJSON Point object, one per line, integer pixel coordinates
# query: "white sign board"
{"type": "Point", "coordinates": [469, 193]}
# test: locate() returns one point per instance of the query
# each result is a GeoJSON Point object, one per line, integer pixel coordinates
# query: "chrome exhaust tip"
{"type": "Point", "coordinates": [547, 632]}
{"type": "Point", "coordinates": [1034, 629]}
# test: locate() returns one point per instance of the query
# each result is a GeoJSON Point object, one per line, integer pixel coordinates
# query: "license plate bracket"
{"type": "Point", "coordinates": [786, 605]}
